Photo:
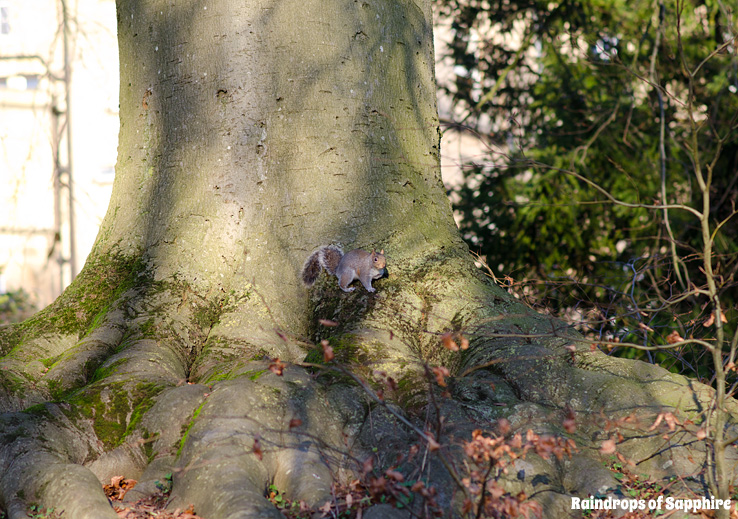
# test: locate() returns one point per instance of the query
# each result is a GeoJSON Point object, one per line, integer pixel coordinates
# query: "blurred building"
{"type": "Point", "coordinates": [58, 138]}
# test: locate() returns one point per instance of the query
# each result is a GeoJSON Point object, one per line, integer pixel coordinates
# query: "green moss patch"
{"type": "Point", "coordinates": [115, 408]}
{"type": "Point", "coordinates": [84, 303]}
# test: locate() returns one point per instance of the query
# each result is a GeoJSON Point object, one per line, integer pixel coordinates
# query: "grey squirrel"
{"type": "Point", "coordinates": [356, 264]}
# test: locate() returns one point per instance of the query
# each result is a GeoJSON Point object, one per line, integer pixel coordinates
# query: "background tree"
{"type": "Point", "coordinates": [602, 91]}
{"type": "Point", "coordinates": [177, 355]}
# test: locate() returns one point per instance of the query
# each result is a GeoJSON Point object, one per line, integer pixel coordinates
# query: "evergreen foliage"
{"type": "Point", "coordinates": [577, 92]}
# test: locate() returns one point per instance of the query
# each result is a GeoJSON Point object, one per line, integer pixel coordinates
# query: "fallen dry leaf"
{"type": "Point", "coordinates": [674, 337]}
{"type": "Point", "coordinates": [448, 342]}
{"type": "Point", "coordinates": [327, 322]}
{"type": "Point", "coordinates": [607, 447]}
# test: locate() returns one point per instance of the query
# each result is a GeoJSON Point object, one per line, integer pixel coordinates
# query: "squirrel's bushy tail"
{"type": "Point", "coordinates": [326, 257]}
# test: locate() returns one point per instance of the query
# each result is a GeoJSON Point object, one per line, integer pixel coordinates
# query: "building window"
{"type": "Point", "coordinates": [4, 19]}
{"type": "Point", "coordinates": [20, 82]}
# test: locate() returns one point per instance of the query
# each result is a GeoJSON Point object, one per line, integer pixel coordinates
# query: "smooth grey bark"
{"type": "Point", "coordinates": [248, 139]}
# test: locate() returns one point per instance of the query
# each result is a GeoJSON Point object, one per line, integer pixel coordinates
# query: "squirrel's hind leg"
{"type": "Point", "coordinates": [344, 280]}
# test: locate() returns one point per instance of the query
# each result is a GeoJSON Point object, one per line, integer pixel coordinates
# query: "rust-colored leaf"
{"type": "Point", "coordinates": [503, 426]}
{"type": "Point", "coordinates": [447, 339]}
{"type": "Point", "coordinates": [368, 465]}
{"type": "Point", "coordinates": [441, 372]}
{"type": "Point", "coordinates": [327, 351]}
{"type": "Point", "coordinates": [277, 366]}
{"type": "Point", "coordinates": [710, 320]}
{"type": "Point", "coordinates": [257, 449]}
{"type": "Point", "coordinates": [674, 337]}
{"type": "Point", "coordinates": [645, 327]}
{"type": "Point", "coordinates": [327, 322]}
{"type": "Point", "coordinates": [607, 447]}
{"type": "Point", "coordinates": [394, 475]}
{"type": "Point", "coordinates": [433, 445]}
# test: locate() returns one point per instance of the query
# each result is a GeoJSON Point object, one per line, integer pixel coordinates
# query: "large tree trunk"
{"type": "Point", "coordinates": [251, 133]}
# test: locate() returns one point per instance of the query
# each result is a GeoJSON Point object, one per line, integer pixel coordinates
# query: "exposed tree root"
{"type": "Point", "coordinates": [163, 385]}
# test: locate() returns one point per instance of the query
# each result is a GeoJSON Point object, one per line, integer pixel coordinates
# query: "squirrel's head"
{"type": "Point", "coordinates": [378, 259]}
